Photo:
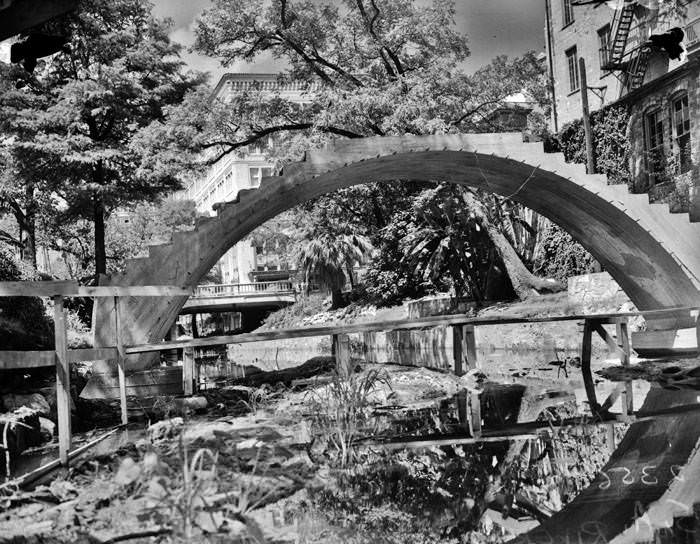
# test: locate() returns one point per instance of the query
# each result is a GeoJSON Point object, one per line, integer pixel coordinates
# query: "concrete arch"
{"type": "Point", "coordinates": [652, 254]}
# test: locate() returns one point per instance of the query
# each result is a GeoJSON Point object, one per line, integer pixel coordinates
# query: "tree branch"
{"type": "Point", "coordinates": [475, 110]}
{"type": "Point", "coordinates": [232, 146]}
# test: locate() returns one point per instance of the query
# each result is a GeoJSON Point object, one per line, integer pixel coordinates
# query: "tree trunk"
{"type": "Point", "coordinates": [525, 283]}
{"type": "Point", "coordinates": [351, 277]}
{"type": "Point", "coordinates": [26, 221]}
{"type": "Point", "coordinates": [336, 298]}
{"type": "Point", "coordinates": [100, 251]}
{"type": "Point", "coordinates": [28, 249]}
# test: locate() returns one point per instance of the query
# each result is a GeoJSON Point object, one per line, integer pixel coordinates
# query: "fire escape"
{"type": "Point", "coordinates": [629, 66]}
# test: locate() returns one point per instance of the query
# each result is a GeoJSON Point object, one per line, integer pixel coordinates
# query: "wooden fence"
{"type": "Point", "coordinates": [464, 343]}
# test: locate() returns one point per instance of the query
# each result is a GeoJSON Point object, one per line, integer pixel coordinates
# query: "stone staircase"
{"type": "Point", "coordinates": [653, 254]}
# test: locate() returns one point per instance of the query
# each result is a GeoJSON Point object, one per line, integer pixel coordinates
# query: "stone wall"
{"type": "Point", "coordinates": [588, 290]}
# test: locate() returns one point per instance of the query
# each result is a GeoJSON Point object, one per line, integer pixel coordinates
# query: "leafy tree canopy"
{"type": "Point", "coordinates": [91, 115]}
{"type": "Point", "coordinates": [368, 68]}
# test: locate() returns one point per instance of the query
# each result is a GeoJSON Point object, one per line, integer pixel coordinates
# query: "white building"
{"type": "Point", "coordinates": [244, 263]}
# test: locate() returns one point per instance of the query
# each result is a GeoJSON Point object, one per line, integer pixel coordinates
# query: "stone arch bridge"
{"type": "Point", "coordinates": [653, 255]}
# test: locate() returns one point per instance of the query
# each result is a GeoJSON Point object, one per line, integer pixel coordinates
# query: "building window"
{"type": "Point", "coordinates": [568, 11]}
{"type": "Point", "coordinates": [604, 46]}
{"type": "Point", "coordinates": [572, 63]}
{"type": "Point", "coordinates": [256, 174]}
{"type": "Point", "coordinates": [681, 133]}
{"type": "Point", "coordinates": [655, 145]}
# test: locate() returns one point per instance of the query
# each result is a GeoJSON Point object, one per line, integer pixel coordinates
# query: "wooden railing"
{"type": "Point", "coordinates": [236, 289]}
{"type": "Point", "coordinates": [464, 342]}
{"type": "Point", "coordinates": [61, 356]}
{"type": "Point", "coordinates": [692, 34]}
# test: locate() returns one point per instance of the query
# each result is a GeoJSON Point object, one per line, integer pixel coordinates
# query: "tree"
{"type": "Point", "coordinates": [26, 178]}
{"type": "Point", "coordinates": [127, 234]}
{"type": "Point", "coordinates": [329, 260]}
{"type": "Point", "coordinates": [445, 242]}
{"type": "Point", "coordinates": [370, 68]}
{"type": "Point", "coordinates": [524, 282]}
{"type": "Point", "coordinates": [93, 112]}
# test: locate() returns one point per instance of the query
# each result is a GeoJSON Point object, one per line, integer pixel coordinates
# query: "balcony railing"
{"type": "Point", "coordinates": [692, 34]}
{"type": "Point", "coordinates": [237, 289]}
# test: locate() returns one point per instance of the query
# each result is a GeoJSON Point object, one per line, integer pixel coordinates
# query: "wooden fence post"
{"type": "Point", "coordinates": [463, 415]}
{"type": "Point", "coordinates": [188, 371]}
{"type": "Point", "coordinates": [341, 351]}
{"type": "Point", "coordinates": [628, 398]}
{"type": "Point", "coordinates": [623, 340]}
{"type": "Point", "coordinates": [63, 400]}
{"type": "Point", "coordinates": [586, 347]}
{"type": "Point", "coordinates": [121, 360]}
{"type": "Point", "coordinates": [464, 349]}
{"type": "Point", "coordinates": [457, 340]}
{"type": "Point", "coordinates": [475, 414]}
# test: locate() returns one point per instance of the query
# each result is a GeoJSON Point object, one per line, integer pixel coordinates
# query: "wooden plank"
{"type": "Point", "coordinates": [609, 340]}
{"type": "Point", "coordinates": [147, 383]}
{"type": "Point", "coordinates": [668, 342]}
{"type": "Point", "coordinates": [71, 288]}
{"type": "Point", "coordinates": [188, 371]}
{"type": "Point", "coordinates": [62, 381]}
{"type": "Point", "coordinates": [89, 354]}
{"type": "Point", "coordinates": [121, 360]}
{"type": "Point", "coordinates": [26, 359]}
{"type": "Point", "coordinates": [134, 291]}
{"type": "Point", "coordinates": [37, 288]}
{"type": "Point", "coordinates": [418, 443]}
{"type": "Point", "coordinates": [370, 326]}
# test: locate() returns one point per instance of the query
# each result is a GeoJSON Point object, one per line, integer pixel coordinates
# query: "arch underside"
{"type": "Point", "coordinates": [630, 239]}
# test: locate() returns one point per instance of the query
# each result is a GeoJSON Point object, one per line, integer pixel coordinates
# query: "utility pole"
{"type": "Point", "coordinates": [590, 163]}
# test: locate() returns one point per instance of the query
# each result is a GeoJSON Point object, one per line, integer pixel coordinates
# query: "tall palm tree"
{"type": "Point", "coordinates": [330, 259]}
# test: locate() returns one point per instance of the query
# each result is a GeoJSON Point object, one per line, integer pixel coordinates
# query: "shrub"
{"type": "Point", "coordinates": [611, 147]}
{"type": "Point", "coordinates": [559, 256]}
{"type": "Point", "coordinates": [23, 320]}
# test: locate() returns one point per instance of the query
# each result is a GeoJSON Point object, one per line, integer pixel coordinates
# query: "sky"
{"type": "Point", "coordinates": [494, 27]}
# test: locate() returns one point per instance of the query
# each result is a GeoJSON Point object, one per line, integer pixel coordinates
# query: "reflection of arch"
{"type": "Point", "coordinates": [650, 457]}
{"type": "Point", "coordinates": [651, 253]}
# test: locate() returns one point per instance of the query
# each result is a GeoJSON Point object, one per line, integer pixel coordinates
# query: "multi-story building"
{"type": "Point", "coordinates": [247, 261]}
{"type": "Point", "coordinates": [631, 61]}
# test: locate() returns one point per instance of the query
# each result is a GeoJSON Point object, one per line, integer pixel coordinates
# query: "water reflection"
{"type": "Point", "coordinates": [524, 451]}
